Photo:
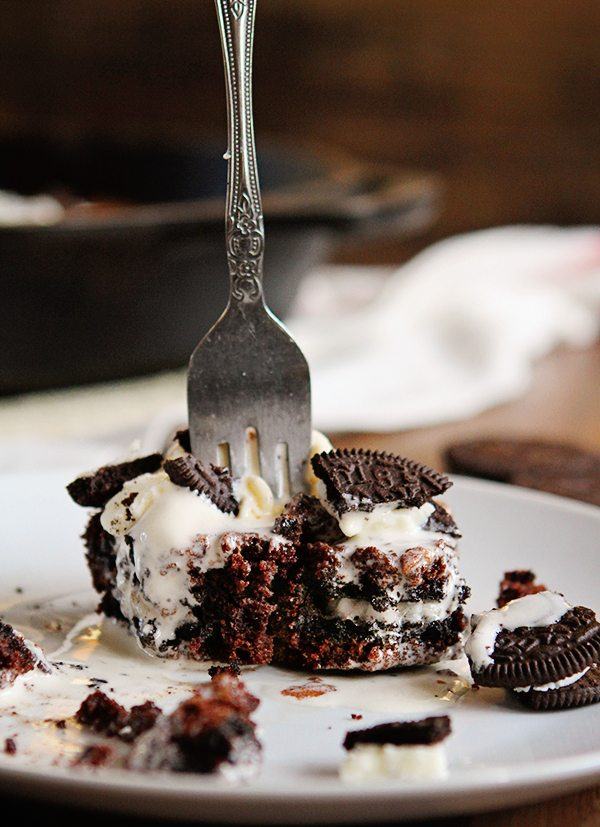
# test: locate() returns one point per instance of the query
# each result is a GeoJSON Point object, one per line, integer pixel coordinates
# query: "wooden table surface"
{"type": "Point", "coordinates": [563, 403]}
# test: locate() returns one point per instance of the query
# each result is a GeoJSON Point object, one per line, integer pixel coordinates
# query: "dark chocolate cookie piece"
{"type": "Point", "coordinates": [502, 459]}
{"type": "Point", "coordinates": [356, 479]}
{"type": "Point", "coordinates": [95, 490]}
{"type": "Point", "coordinates": [431, 730]}
{"type": "Point", "coordinates": [584, 486]}
{"type": "Point", "coordinates": [516, 584]}
{"type": "Point", "coordinates": [537, 655]}
{"type": "Point", "coordinates": [583, 692]}
{"type": "Point", "coordinates": [215, 482]}
{"type": "Point", "coordinates": [183, 438]}
{"type": "Point", "coordinates": [442, 521]}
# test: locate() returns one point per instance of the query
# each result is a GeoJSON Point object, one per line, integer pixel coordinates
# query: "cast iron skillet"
{"type": "Point", "coordinates": [130, 286]}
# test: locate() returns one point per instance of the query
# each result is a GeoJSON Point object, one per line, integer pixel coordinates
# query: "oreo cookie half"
{"type": "Point", "coordinates": [359, 480]}
{"type": "Point", "coordinates": [214, 482]}
{"type": "Point", "coordinates": [582, 692]}
{"type": "Point", "coordinates": [506, 650]}
{"type": "Point", "coordinates": [95, 490]}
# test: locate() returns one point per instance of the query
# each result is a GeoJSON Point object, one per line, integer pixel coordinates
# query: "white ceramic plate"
{"type": "Point", "coordinates": [500, 755]}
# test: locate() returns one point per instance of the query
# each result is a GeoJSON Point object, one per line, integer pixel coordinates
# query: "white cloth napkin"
{"type": "Point", "coordinates": [454, 331]}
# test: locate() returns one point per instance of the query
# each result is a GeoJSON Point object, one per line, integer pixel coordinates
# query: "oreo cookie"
{"type": "Point", "coordinates": [214, 482]}
{"type": "Point", "coordinates": [516, 584]}
{"type": "Point", "coordinates": [95, 490]}
{"type": "Point", "coordinates": [431, 730]}
{"type": "Point", "coordinates": [503, 459]}
{"type": "Point", "coordinates": [532, 641]}
{"type": "Point", "coordinates": [584, 487]}
{"type": "Point", "coordinates": [359, 480]}
{"type": "Point", "coordinates": [584, 691]}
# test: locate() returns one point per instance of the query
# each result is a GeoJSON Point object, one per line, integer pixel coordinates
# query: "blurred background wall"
{"type": "Point", "coordinates": [501, 98]}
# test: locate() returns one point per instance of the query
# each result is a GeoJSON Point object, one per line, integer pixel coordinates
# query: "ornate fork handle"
{"type": "Point", "coordinates": [244, 228]}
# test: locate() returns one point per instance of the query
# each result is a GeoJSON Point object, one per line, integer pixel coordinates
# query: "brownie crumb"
{"type": "Point", "coordinates": [209, 729]}
{"type": "Point", "coordinates": [232, 668]}
{"type": "Point", "coordinates": [101, 714]}
{"type": "Point", "coordinates": [105, 716]}
{"type": "Point", "coordinates": [16, 658]}
{"type": "Point", "coordinates": [96, 755]}
{"type": "Point", "coordinates": [518, 583]}
{"type": "Point", "coordinates": [431, 730]}
{"type": "Point", "coordinates": [10, 746]}
{"type": "Point", "coordinates": [141, 718]}
{"type": "Point", "coordinates": [356, 716]}
{"type": "Point", "coordinates": [308, 690]}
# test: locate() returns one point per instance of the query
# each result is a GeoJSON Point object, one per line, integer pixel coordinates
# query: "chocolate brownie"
{"type": "Point", "coordinates": [224, 574]}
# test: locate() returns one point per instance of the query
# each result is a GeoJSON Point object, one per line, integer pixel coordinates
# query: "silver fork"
{"type": "Point", "coordinates": [247, 378]}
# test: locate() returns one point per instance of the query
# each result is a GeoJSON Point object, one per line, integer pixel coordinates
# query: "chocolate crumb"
{"type": "Point", "coordinates": [10, 746]}
{"type": "Point", "coordinates": [518, 583]}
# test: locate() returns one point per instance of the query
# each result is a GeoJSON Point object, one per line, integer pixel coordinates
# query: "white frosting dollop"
{"type": "Point", "coordinates": [540, 609]}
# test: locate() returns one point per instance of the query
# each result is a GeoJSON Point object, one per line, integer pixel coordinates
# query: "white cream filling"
{"type": "Point", "coordinates": [384, 522]}
{"type": "Point", "coordinates": [546, 687]}
{"type": "Point", "coordinates": [405, 612]}
{"type": "Point", "coordinates": [369, 762]}
{"type": "Point", "coordinates": [540, 609]}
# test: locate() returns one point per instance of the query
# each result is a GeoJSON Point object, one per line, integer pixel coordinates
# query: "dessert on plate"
{"type": "Point", "coordinates": [359, 571]}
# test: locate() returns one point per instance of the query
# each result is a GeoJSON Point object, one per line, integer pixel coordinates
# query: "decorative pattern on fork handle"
{"type": "Point", "coordinates": [245, 234]}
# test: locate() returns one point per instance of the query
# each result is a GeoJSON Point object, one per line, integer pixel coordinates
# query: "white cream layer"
{"type": "Point", "coordinates": [547, 687]}
{"type": "Point", "coordinates": [369, 762]}
{"type": "Point", "coordinates": [385, 522]}
{"type": "Point", "coordinates": [406, 611]}
{"type": "Point", "coordinates": [540, 609]}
